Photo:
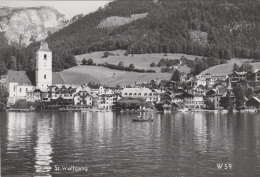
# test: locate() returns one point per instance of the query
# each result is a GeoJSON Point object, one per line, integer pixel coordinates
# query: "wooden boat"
{"type": "Point", "coordinates": [140, 119]}
{"type": "Point", "coordinates": [184, 110]}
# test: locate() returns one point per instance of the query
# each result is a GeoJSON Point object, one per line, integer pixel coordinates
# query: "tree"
{"type": "Point", "coordinates": [176, 76]}
{"type": "Point", "coordinates": [3, 98]}
{"type": "Point", "coordinates": [209, 104]}
{"type": "Point", "coordinates": [226, 102]}
{"type": "Point", "coordinates": [240, 95]}
{"type": "Point", "coordinates": [106, 54]}
{"type": "Point", "coordinates": [246, 67]}
{"type": "Point", "coordinates": [152, 64]}
{"type": "Point", "coordinates": [84, 61]}
{"type": "Point", "coordinates": [12, 63]}
{"type": "Point", "coordinates": [235, 67]}
{"type": "Point", "coordinates": [3, 68]}
{"type": "Point", "coordinates": [90, 61]}
{"type": "Point", "coordinates": [31, 65]}
{"type": "Point", "coordinates": [249, 92]}
{"type": "Point", "coordinates": [132, 66]}
{"type": "Point", "coordinates": [121, 64]}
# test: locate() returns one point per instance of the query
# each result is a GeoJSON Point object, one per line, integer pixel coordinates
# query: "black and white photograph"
{"type": "Point", "coordinates": [130, 88]}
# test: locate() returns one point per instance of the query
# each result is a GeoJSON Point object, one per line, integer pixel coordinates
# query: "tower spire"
{"type": "Point", "coordinates": [44, 46]}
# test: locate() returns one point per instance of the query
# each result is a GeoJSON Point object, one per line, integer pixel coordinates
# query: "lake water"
{"type": "Point", "coordinates": [110, 144]}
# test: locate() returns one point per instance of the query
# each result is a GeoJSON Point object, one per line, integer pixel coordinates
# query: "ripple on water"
{"type": "Point", "coordinates": [112, 145]}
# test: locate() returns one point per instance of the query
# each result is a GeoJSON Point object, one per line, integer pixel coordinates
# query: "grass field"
{"type": "Point", "coordinates": [227, 68]}
{"type": "Point", "coordinates": [83, 74]}
{"type": "Point", "coordinates": [141, 61]}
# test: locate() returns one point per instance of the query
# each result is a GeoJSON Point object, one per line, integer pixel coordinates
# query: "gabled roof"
{"type": "Point", "coordinates": [257, 99]}
{"type": "Point", "coordinates": [22, 78]}
{"type": "Point", "coordinates": [201, 86]}
{"type": "Point", "coordinates": [18, 77]}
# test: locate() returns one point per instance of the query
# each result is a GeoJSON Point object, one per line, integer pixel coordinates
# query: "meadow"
{"type": "Point", "coordinates": [83, 74]}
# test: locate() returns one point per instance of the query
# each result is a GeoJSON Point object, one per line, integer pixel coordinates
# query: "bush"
{"type": "Point", "coordinates": [84, 61]}
{"type": "Point", "coordinates": [90, 61]}
{"type": "Point", "coordinates": [106, 54]}
{"type": "Point", "coordinates": [132, 66]}
{"type": "Point", "coordinates": [121, 67]}
{"type": "Point", "coordinates": [152, 64]}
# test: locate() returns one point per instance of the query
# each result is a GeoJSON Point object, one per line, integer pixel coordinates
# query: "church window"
{"type": "Point", "coordinates": [45, 57]}
{"type": "Point", "coordinates": [44, 76]}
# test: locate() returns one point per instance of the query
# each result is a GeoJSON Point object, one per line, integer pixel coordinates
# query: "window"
{"type": "Point", "coordinates": [26, 89]}
{"type": "Point", "coordinates": [45, 57]}
{"type": "Point", "coordinates": [44, 76]}
{"type": "Point", "coordinates": [20, 89]}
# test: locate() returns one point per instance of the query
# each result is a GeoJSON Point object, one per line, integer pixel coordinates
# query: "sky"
{"type": "Point", "coordinates": [67, 8]}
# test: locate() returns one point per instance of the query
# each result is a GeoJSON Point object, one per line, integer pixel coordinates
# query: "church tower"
{"type": "Point", "coordinates": [43, 66]}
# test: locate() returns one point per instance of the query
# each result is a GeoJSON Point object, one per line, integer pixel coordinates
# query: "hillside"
{"type": "Point", "coordinates": [202, 27]}
{"type": "Point", "coordinates": [84, 74]}
{"type": "Point", "coordinates": [226, 68]}
{"type": "Point", "coordinates": [98, 74]}
{"type": "Point", "coordinates": [141, 61]}
{"type": "Point", "coordinates": [21, 26]}
{"type": "Point", "coordinates": [221, 29]}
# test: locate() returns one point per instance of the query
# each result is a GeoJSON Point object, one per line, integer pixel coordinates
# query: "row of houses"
{"type": "Point", "coordinates": [48, 88]}
{"type": "Point", "coordinates": [106, 98]}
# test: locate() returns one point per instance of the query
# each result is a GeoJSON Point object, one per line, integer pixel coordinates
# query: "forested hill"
{"type": "Point", "coordinates": [221, 29]}
{"type": "Point", "coordinates": [217, 28]}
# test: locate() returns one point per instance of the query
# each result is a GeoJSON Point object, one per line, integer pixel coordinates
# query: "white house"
{"type": "Point", "coordinates": [145, 93]}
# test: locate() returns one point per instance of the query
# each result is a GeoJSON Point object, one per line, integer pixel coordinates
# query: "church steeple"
{"type": "Point", "coordinates": [43, 66]}
{"type": "Point", "coordinates": [44, 46]}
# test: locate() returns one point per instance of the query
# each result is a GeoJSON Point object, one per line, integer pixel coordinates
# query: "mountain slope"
{"type": "Point", "coordinates": [218, 28]}
{"type": "Point", "coordinates": [25, 25]}
{"type": "Point", "coordinates": [221, 29]}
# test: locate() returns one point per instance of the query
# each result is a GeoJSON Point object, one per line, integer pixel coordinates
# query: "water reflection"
{"type": "Point", "coordinates": [43, 147]}
{"type": "Point", "coordinates": [110, 144]}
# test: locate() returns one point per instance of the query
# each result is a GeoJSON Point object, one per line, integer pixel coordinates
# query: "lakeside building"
{"type": "Point", "coordinates": [48, 88]}
{"type": "Point", "coordinates": [21, 85]}
{"type": "Point", "coordinates": [248, 79]}
{"type": "Point", "coordinates": [146, 93]}
{"type": "Point", "coordinates": [209, 79]}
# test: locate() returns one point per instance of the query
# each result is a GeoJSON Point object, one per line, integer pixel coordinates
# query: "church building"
{"type": "Point", "coordinates": [21, 87]}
